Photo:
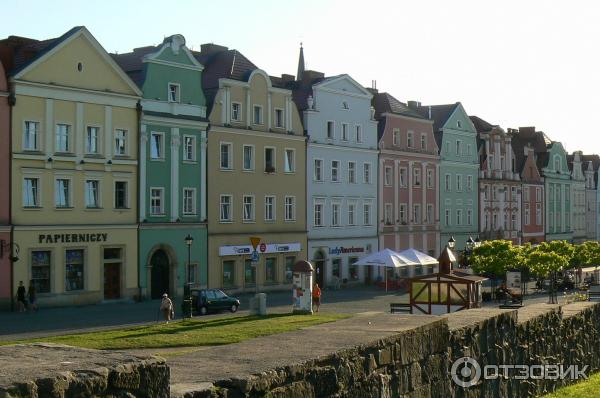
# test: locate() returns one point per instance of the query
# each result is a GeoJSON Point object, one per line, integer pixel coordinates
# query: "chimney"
{"type": "Point", "coordinates": [414, 105]}
{"type": "Point", "coordinates": [287, 78]}
{"type": "Point", "coordinates": [374, 84]}
{"type": "Point", "coordinates": [210, 48]}
{"type": "Point", "coordinates": [429, 112]}
{"type": "Point", "coordinates": [309, 75]}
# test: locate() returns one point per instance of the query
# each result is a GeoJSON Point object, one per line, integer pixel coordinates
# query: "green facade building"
{"type": "Point", "coordinates": [172, 168]}
{"type": "Point", "coordinates": [558, 187]}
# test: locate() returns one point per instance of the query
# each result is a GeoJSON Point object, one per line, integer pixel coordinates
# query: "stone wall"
{"type": "Point", "coordinates": [417, 362]}
{"type": "Point", "coordinates": [58, 371]}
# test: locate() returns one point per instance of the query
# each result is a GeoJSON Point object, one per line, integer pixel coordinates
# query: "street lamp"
{"type": "Point", "coordinates": [477, 242]}
{"type": "Point", "coordinates": [451, 242]}
{"type": "Point", "coordinates": [188, 241]}
{"type": "Point", "coordinates": [470, 244]}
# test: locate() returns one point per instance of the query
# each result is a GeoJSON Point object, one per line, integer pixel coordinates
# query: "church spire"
{"type": "Point", "coordinates": [300, 64]}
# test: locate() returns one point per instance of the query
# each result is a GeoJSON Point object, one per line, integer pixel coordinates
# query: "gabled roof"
{"type": "Point", "coordinates": [386, 103]}
{"type": "Point", "coordinates": [438, 113]}
{"type": "Point", "coordinates": [132, 63]}
{"type": "Point", "coordinates": [526, 136]}
{"type": "Point", "coordinates": [222, 63]}
{"type": "Point", "coordinates": [481, 125]}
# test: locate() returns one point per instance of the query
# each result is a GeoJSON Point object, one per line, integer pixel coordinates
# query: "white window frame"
{"type": "Point", "coordinates": [367, 210]}
{"type": "Point", "coordinates": [448, 182]}
{"type": "Point", "coordinates": [352, 214]}
{"type": "Point", "coordinates": [345, 136]}
{"type": "Point", "coordinates": [469, 217]}
{"type": "Point", "coordinates": [417, 180]}
{"type": "Point", "coordinates": [458, 147]}
{"type": "Point", "coordinates": [410, 139]}
{"type": "Point", "coordinates": [184, 156]}
{"type": "Point", "coordinates": [252, 203]}
{"type": "Point", "coordinates": [125, 142]}
{"type": "Point", "coordinates": [274, 157]}
{"type": "Point", "coordinates": [403, 177]}
{"type": "Point", "coordinates": [403, 213]}
{"type": "Point", "coordinates": [36, 135]}
{"type": "Point", "coordinates": [177, 87]}
{"type": "Point", "coordinates": [358, 133]}
{"type": "Point", "coordinates": [230, 155]}
{"type": "Point", "coordinates": [98, 193]}
{"type": "Point", "coordinates": [320, 204]}
{"type": "Point", "coordinates": [336, 213]}
{"type": "Point", "coordinates": [252, 157]}
{"type": "Point", "coordinates": [388, 177]}
{"type": "Point", "coordinates": [469, 182]}
{"type": "Point", "coordinates": [162, 149]}
{"type": "Point", "coordinates": [430, 178]}
{"type": "Point", "coordinates": [292, 169]}
{"type": "Point", "coordinates": [527, 213]}
{"type": "Point", "coordinates": [327, 123]}
{"type": "Point", "coordinates": [538, 214]}
{"type": "Point", "coordinates": [281, 120]}
{"type": "Point", "coordinates": [192, 211]}
{"type": "Point", "coordinates": [37, 195]}
{"type": "Point", "coordinates": [318, 178]}
{"type": "Point", "coordinates": [352, 172]}
{"type": "Point", "coordinates": [87, 141]}
{"type": "Point", "coordinates": [447, 217]}
{"type": "Point", "coordinates": [388, 214]}
{"type": "Point", "coordinates": [423, 141]}
{"type": "Point", "coordinates": [69, 197]}
{"type": "Point", "coordinates": [127, 204]}
{"type": "Point", "coordinates": [366, 173]}
{"type": "Point", "coordinates": [459, 186]}
{"type": "Point", "coordinates": [240, 113]}
{"type": "Point", "coordinates": [417, 214]}
{"type": "Point", "coordinates": [289, 208]}
{"type": "Point", "coordinates": [337, 171]}
{"type": "Point", "coordinates": [68, 137]}
{"type": "Point", "coordinates": [273, 206]}
{"type": "Point", "coordinates": [260, 115]}
{"type": "Point", "coordinates": [430, 218]}
{"type": "Point", "coordinates": [396, 137]}
{"type": "Point", "coordinates": [161, 213]}
{"type": "Point", "coordinates": [458, 217]}
{"type": "Point", "coordinates": [230, 204]}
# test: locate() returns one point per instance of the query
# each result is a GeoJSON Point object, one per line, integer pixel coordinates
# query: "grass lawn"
{"type": "Point", "coordinates": [190, 333]}
{"type": "Point", "coordinates": [585, 389]}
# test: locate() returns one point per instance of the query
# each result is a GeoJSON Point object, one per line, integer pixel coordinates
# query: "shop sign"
{"type": "Point", "coordinates": [269, 248]}
{"type": "Point", "coordinates": [72, 238]}
{"type": "Point", "coordinates": [343, 250]}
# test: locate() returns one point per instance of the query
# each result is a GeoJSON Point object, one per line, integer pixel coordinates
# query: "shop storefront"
{"type": "Point", "coordinates": [234, 270]}
{"type": "Point", "coordinates": [334, 260]}
{"type": "Point", "coordinates": [76, 266]}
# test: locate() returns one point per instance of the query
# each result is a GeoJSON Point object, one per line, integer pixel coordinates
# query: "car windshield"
{"type": "Point", "coordinates": [210, 294]}
{"type": "Point", "coordinates": [219, 294]}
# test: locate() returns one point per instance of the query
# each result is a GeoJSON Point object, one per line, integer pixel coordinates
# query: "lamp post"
{"type": "Point", "coordinates": [451, 243]}
{"type": "Point", "coordinates": [188, 241]}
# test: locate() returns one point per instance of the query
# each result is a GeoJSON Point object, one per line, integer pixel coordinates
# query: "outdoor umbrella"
{"type": "Point", "coordinates": [418, 257]}
{"type": "Point", "coordinates": [385, 258]}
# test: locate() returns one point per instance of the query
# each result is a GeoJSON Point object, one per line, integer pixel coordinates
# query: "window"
{"type": "Point", "coordinates": [30, 136]}
{"type": "Point", "coordinates": [423, 142]}
{"type": "Point", "coordinates": [335, 214]}
{"type": "Point", "coordinates": [290, 161]}
{"type": "Point", "coordinates": [429, 215]}
{"type": "Point", "coordinates": [121, 195]}
{"type": "Point", "coordinates": [458, 147]}
{"type": "Point", "coordinates": [226, 159]}
{"type": "Point", "coordinates": [194, 274]}
{"type": "Point", "coordinates": [351, 214]}
{"type": "Point", "coordinates": [269, 208]}
{"type": "Point", "coordinates": [469, 217]}
{"type": "Point", "coordinates": [92, 194]}
{"type": "Point", "coordinates": [387, 176]}
{"type": "Point", "coordinates": [458, 124]}
{"type": "Point", "coordinates": [416, 214]}
{"type": "Point", "coordinates": [63, 143]}
{"type": "Point", "coordinates": [486, 222]}
{"type": "Point", "coordinates": [248, 208]}
{"type": "Point", "coordinates": [270, 269]}
{"type": "Point", "coordinates": [447, 182]}
{"type": "Point", "coordinates": [62, 194]}
{"type": "Point", "coordinates": [258, 119]}
{"type": "Point", "coordinates": [249, 273]}
{"type": "Point", "coordinates": [318, 210]}
{"type": "Point", "coordinates": [538, 213]}
{"type": "Point", "coordinates": [458, 217]}
{"type": "Point", "coordinates": [513, 222]}
{"type": "Point", "coordinates": [402, 213]}
{"type": "Point", "coordinates": [513, 193]}
{"type": "Point", "coordinates": [447, 220]}
{"type": "Point", "coordinates": [318, 170]}
{"type": "Point", "coordinates": [485, 192]}
{"type": "Point", "coordinates": [416, 177]}
{"type": "Point", "coordinates": [429, 179]}
{"type": "Point", "coordinates": [157, 146]}
{"type": "Point", "coordinates": [40, 271]}
{"type": "Point", "coordinates": [538, 194]}
{"type": "Point", "coordinates": [557, 163]}
{"type": "Point", "coordinates": [228, 273]}
{"type": "Point", "coordinates": [353, 268]}
{"type": "Point", "coordinates": [344, 132]}
{"type": "Point", "coordinates": [469, 149]}
{"type": "Point", "coordinates": [447, 147]}
{"type": "Point", "coordinates": [157, 201]}
{"type": "Point", "coordinates": [358, 133]}
{"type": "Point", "coordinates": [225, 205]}
{"type": "Point", "coordinates": [495, 221]}
{"type": "Point", "coordinates": [469, 182]}
{"type": "Point", "coordinates": [236, 111]}
{"type": "Point", "coordinates": [387, 214]}
{"type": "Point", "coordinates": [189, 148]}
{"type": "Point", "coordinates": [189, 201]}
{"type": "Point", "coordinates": [248, 163]}
{"type": "Point", "coordinates": [352, 172]}
{"type": "Point", "coordinates": [367, 214]}
{"type": "Point", "coordinates": [279, 118]}
{"type": "Point", "coordinates": [335, 166]}
{"type": "Point", "coordinates": [73, 270]}
{"type": "Point", "coordinates": [31, 193]}
{"type": "Point", "coordinates": [290, 208]}
{"type": "Point", "coordinates": [269, 160]}
{"type": "Point", "coordinates": [527, 215]}
{"type": "Point", "coordinates": [367, 173]}
{"type": "Point", "coordinates": [409, 139]}
{"type": "Point", "coordinates": [91, 143]}
{"type": "Point", "coordinates": [402, 180]}
{"type": "Point", "coordinates": [396, 137]}
{"type": "Point", "coordinates": [345, 105]}
{"type": "Point", "coordinates": [336, 265]}
{"type": "Point", "coordinates": [505, 222]}
{"type": "Point", "coordinates": [330, 129]}
{"type": "Point", "coordinates": [459, 182]}
{"type": "Point", "coordinates": [174, 92]}
{"type": "Point", "coordinates": [120, 142]}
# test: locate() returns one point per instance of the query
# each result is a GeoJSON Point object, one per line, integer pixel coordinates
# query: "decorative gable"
{"type": "Point", "coordinates": [459, 120]}
{"type": "Point", "coordinates": [344, 84]}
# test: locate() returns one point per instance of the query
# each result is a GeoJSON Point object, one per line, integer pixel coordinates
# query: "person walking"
{"type": "Point", "coordinates": [32, 297]}
{"type": "Point", "coordinates": [166, 307]}
{"type": "Point", "coordinates": [316, 296]}
{"type": "Point", "coordinates": [21, 303]}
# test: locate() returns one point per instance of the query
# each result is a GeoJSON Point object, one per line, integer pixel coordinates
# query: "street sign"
{"type": "Point", "coordinates": [254, 257]}
{"type": "Point", "coordinates": [254, 240]}
{"type": "Point", "coordinates": [263, 247]}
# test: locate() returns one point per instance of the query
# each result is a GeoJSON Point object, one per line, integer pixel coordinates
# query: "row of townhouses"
{"type": "Point", "coordinates": [129, 175]}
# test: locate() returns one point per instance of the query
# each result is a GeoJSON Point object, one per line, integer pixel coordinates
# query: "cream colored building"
{"type": "Point", "coordinates": [256, 174]}
{"type": "Point", "coordinates": [74, 179]}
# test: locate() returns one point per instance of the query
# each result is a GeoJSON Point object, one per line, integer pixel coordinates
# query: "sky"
{"type": "Point", "coordinates": [512, 63]}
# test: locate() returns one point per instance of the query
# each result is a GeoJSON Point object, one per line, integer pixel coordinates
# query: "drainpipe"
{"type": "Point", "coordinates": [138, 109]}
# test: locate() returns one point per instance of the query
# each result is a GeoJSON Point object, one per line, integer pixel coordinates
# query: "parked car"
{"type": "Point", "coordinates": [213, 300]}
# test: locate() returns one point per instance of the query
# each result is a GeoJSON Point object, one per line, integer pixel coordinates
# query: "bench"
{"type": "Point", "coordinates": [400, 308]}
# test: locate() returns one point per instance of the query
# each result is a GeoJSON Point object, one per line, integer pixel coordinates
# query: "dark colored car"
{"type": "Point", "coordinates": [213, 300]}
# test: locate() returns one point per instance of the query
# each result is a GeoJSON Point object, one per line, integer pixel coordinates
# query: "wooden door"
{"type": "Point", "coordinates": [112, 281]}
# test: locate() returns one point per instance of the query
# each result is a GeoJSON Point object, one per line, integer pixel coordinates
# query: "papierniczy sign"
{"type": "Point", "coordinates": [343, 250]}
{"type": "Point", "coordinates": [242, 250]}
{"type": "Point", "coordinates": [72, 238]}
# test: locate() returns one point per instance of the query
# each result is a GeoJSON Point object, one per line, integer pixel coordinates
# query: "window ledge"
{"type": "Point", "coordinates": [249, 222]}
{"type": "Point", "coordinates": [68, 154]}
{"type": "Point", "coordinates": [157, 159]}
{"type": "Point", "coordinates": [190, 215]}
{"type": "Point", "coordinates": [94, 208]}
{"type": "Point", "coordinates": [64, 208]}
{"type": "Point", "coordinates": [32, 207]}
{"type": "Point", "coordinates": [248, 170]}
{"type": "Point", "coordinates": [93, 156]}
{"type": "Point", "coordinates": [184, 161]}
{"type": "Point", "coordinates": [32, 151]}
{"type": "Point", "coordinates": [158, 215]}
{"type": "Point", "coordinates": [226, 169]}
{"type": "Point", "coordinates": [226, 221]}
{"type": "Point", "coordinates": [121, 208]}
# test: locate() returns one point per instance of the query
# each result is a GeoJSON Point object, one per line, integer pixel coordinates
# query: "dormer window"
{"type": "Point", "coordinates": [345, 105]}
{"type": "Point", "coordinates": [174, 94]}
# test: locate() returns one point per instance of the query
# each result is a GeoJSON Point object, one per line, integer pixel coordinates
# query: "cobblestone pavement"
{"type": "Point", "coordinates": [56, 321]}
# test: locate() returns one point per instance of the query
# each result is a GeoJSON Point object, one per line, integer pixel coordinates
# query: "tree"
{"type": "Point", "coordinates": [495, 257]}
{"type": "Point", "coordinates": [549, 258]}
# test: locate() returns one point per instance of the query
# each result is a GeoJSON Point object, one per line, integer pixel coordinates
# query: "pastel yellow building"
{"type": "Point", "coordinates": [74, 179]}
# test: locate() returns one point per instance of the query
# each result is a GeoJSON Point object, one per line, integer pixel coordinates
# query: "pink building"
{"type": "Point", "coordinates": [5, 264]}
{"type": "Point", "coordinates": [408, 179]}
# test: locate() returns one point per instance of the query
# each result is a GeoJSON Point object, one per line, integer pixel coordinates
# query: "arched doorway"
{"type": "Point", "coordinates": [160, 274]}
{"type": "Point", "coordinates": [320, 268]}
